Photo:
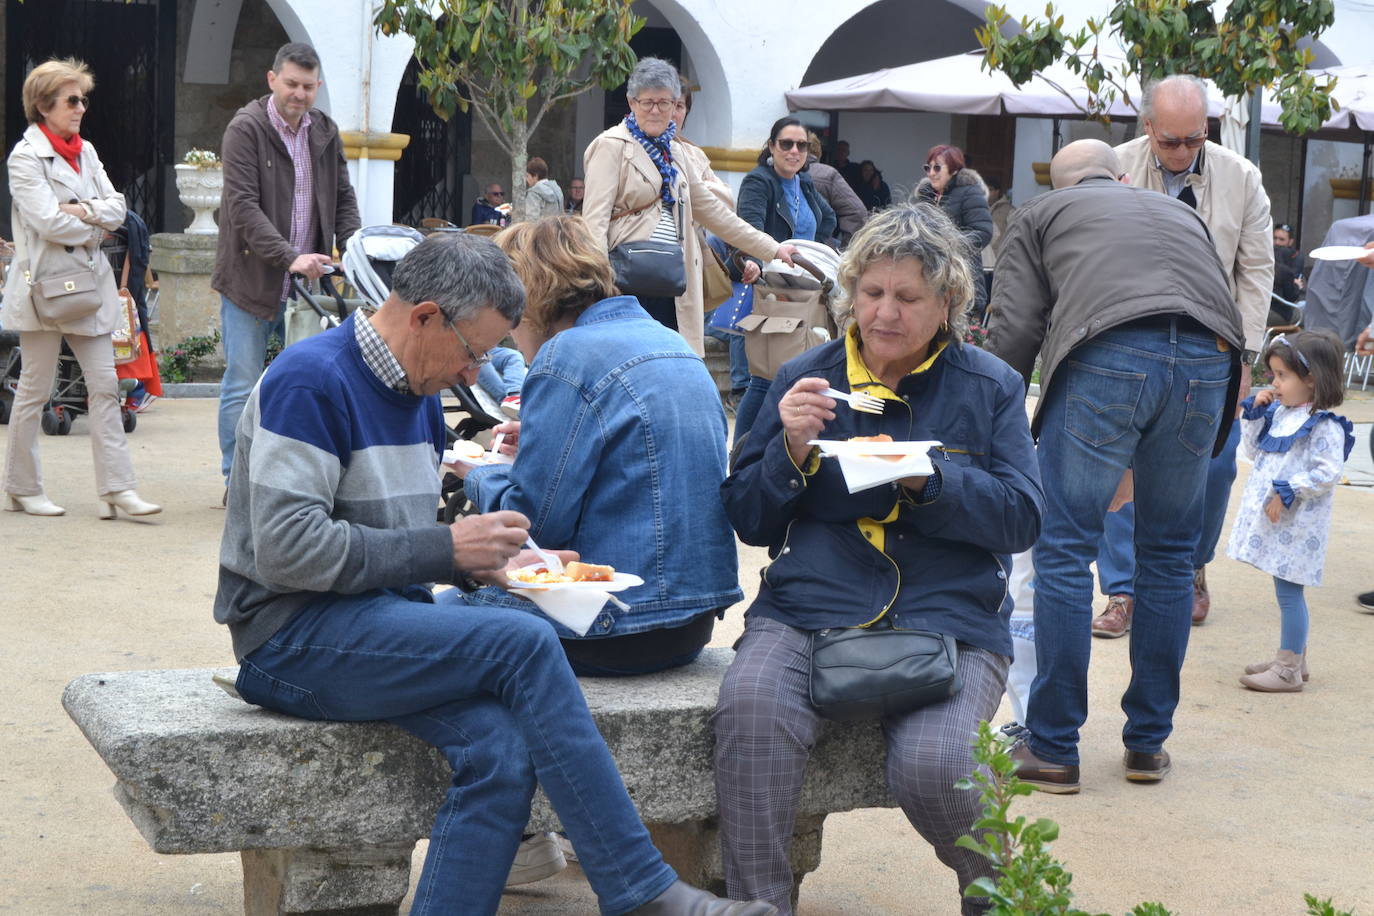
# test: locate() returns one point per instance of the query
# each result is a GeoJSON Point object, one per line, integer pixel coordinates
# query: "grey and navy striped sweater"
{"type": "Point", "coordinates": [333, 490]}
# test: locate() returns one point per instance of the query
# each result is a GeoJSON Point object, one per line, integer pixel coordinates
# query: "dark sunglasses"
{"type": "Point", "coordinates": [933, 168]}
{"type": "Point", "coordinates": [789, 145]}
{"type": "Point", "coordinates": [83, 100]}
{"type": "Point", "coordinates": [1190, 142]}
{"type": "Point", "coordinates": [1285, 227]}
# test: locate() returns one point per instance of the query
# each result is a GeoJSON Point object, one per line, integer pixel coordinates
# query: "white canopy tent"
{"type": "Point", "coordinates": [958, 85]}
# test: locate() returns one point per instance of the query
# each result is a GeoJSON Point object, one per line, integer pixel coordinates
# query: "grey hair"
{"type": "Point", "coordinates": [1147, 99]}
{"type": "Point", "coordinates": [921, 231]}
{"type": "Point", "coordinates": [298, 53]}
{"type": "Point", "coordinates": [654, 73]}
{"type": "Point", "coordinates": [462, 274]}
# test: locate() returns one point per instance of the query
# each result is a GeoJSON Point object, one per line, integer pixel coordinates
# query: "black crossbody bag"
{"type": "Point", "coordinates": [871, 672]}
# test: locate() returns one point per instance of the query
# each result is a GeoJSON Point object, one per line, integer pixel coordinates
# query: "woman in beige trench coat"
{"type": "Point", "coordinates": [63, 203]}
{"type": "Point", "coordinates": [623, 182]}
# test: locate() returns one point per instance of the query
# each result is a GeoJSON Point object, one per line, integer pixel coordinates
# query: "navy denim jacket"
{"type": "Point", "coordinates": [842, 559]}
{"type": "Point", "coordinates": [622, 452]}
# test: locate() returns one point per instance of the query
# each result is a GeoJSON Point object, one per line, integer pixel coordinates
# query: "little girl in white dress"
{"type": "Point", "coordinates": [1299, 449]}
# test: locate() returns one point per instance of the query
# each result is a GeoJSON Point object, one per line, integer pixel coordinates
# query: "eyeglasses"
{"type": "Point", "coordinates": [1172, 143]}
{"type": "Point", "coordinates": [656, 104]}
{"type": "Point", "coordinates": [477, 362]}
{"type": "Point", "coordinates": [933, 168]}
{"type": "Point", "coordinates": [1281, 339]}
{"type": "Point", "coordinates": [74, 100]}
{"type": "Point", "coordinates": [789, 145]}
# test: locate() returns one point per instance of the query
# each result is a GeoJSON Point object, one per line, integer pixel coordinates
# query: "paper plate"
{"type": "Point", "coordinates": [576, 605]}
{"type": "Point", "coordinates": [1339, 252]}
{"type": "Point", "coordinates": [862, 472]}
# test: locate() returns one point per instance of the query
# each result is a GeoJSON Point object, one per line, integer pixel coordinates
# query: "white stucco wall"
{"type": "Point", "coordinates": [742, 54]}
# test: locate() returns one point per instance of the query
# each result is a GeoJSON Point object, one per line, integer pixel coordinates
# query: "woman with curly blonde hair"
{"type": "Point", "coordinates": [927, 552]}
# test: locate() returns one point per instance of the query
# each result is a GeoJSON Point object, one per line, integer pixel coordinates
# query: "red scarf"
{"type": "Point", "coordinates": [69, 149]}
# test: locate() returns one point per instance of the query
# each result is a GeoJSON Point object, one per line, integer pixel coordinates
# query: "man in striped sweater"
{"type": "Point", "coordinates": [330, 547]}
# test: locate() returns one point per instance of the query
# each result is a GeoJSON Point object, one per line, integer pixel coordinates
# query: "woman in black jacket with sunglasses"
{"type": "Point", "coordinates": [779, 198]}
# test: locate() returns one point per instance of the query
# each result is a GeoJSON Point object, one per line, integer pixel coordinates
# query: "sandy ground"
{"type": "Point", "coordinates": [1270, 796]}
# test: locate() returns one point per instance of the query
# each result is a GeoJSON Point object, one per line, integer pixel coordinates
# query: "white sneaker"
{"type": "Point", "coordinates": [510, 406]}
{"type": "Point", "coordinates": [537, 858]}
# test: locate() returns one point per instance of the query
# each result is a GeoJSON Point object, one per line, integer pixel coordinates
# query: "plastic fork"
{"type": "Point", "coordinates": [864, 403]}
{"type": "Point", "coordinates": [554, 564]}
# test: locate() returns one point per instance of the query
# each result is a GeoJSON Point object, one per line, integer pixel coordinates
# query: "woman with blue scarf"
{"type": "Point", "coordinates": [640, 186]}
{"type": "Point", "coordinates": [780, 198]}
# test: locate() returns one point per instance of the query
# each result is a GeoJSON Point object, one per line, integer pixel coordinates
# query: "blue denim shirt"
{"type": "Point", "coordinates": [622, 452]}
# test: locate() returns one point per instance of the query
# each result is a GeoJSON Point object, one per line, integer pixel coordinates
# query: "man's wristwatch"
{"type": "Point", "coordinates": [1249, 356]}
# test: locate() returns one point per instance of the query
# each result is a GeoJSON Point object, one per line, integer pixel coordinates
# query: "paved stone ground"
{"type": "Point", "coordinates": [1270, 796]}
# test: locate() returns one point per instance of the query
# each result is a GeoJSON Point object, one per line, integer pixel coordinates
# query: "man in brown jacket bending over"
{"type": "Point", "coordinates": [1122, 294]}
{"type": "Point", "coordinates": [287, 203]}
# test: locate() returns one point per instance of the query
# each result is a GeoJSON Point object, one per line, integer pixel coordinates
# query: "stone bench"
{"type": "Point", "coordinates": [326, 814]}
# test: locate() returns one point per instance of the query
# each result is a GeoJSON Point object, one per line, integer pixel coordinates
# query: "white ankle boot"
{"type": "Point", "coordinates": [1283, 676]}
{"type": "Point", "coordinates": [35, 505]}
{"type": "Point", "coordinates": [129, 501]}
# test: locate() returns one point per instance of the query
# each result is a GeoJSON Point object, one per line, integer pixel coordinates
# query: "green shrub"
{"type": "Point", "coordinates": [176, 364]}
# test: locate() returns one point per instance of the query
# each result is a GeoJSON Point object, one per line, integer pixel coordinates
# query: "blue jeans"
{"type": "Point", "coordinates": [748, 410]}
{"type": "Point", "coordinates": [739, 362]}
{"type": "Point", "coordinates": [504, 374]}
{"type": "Point", "coordinates": [1151, 397]}
{"type": "Point", "coordinates": [244, 339]}
{"type": "Point", "coordinates": [490, 688]}
{"type": "Point", "coordinates": [1116, 558]}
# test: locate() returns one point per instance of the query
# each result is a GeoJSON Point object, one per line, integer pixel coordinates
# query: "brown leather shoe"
{"type": "Point", "coordinates": [1202, 601]}
{"type": "Point", "coordinates": [1143, 767]}
{"type": "Point", "coordinates": [1056, 778]}
{"type": "Point", "coordinates": [1115, 621]}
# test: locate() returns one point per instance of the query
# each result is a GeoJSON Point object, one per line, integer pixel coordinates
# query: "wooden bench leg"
{"type": "Point", "coordinates": [693, 850]}
{"type": "Point", "coordinates": [365, 881]}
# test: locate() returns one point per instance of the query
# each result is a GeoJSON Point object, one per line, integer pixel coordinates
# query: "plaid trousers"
{"type": "Point", "coordinates": [766, 727]}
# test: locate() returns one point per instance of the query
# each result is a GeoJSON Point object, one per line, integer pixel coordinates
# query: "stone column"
{"type": "Point", "coordinates": [367, 881]}
{"type": "Point", "coordinates": [187, 306]}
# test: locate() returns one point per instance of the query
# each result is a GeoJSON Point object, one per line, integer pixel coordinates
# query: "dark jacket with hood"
{"type": "Point", "coordinates": [966, 202]}
{"type": "Point", "coordinates": [255, 213]}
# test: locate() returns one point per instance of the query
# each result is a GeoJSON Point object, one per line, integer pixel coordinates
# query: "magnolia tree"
{"type": "Point", "coordinates": [512, 61]}
{"type": "Point", "coordinates": [1253, 45]}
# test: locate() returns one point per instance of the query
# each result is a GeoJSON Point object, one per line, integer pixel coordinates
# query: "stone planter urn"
{"type": "Point", "coordinates": [200, 189]}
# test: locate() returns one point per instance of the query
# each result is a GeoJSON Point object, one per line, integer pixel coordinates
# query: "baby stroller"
{"type": "Point", "coordinates": [791, 311]}
{"type": "Point", "coordinates": [368, 262]}
{"type": "Point", "coordinates": [69, 394]}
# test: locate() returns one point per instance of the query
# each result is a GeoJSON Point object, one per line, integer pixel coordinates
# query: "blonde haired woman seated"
{"type": "Point", "coordinates": [63, 203]}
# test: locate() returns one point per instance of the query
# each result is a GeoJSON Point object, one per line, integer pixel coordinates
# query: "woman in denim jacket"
{"type": "Point", "coordinates": [620, 451]}
{"type": "Point", "coordinates": [925, 553]}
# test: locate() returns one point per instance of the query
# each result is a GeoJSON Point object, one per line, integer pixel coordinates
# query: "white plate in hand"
{"type": "Point", "coordinates": [473, 458]}
{"type": "Point", "coordinates": [863, 469]}
{"type": "Point", "coordinates": [1339, 252]}
{"type": "Point", "coordinates": [576, 605]}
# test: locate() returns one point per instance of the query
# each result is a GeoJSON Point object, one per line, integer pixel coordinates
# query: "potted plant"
{"type": "Point", "coordinates": [200, 182]}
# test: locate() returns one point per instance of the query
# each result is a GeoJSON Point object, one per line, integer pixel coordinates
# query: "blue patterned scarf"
{"type": "Point", "coordinates": [659, 151]}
